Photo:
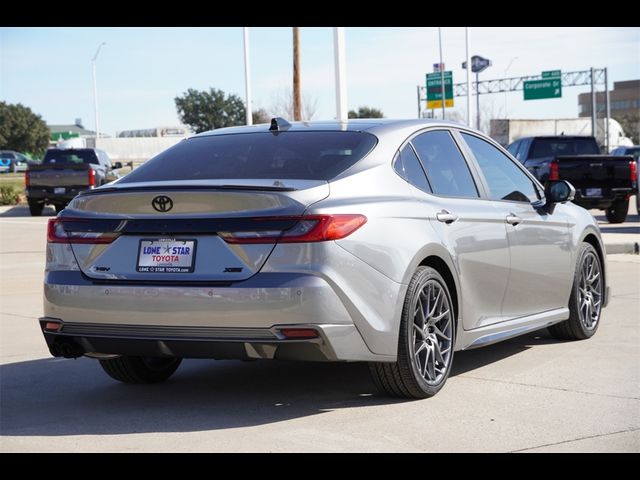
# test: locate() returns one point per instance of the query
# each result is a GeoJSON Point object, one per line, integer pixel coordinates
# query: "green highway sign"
{"type": "Point", "coordinates": [434, 90]}
{"type": "Point", "coordinates": [551, 74]}
{"type": "Point", "coordinates": [545, 88]}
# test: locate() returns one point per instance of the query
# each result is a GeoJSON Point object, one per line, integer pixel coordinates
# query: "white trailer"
{"type": "Point", "coordinates": [507, 131]}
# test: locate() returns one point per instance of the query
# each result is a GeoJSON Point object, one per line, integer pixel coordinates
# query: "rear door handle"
{"type": "Point", "coordinates": [446, 217]}
{"type": "Point", "coordinates": [513, 219]}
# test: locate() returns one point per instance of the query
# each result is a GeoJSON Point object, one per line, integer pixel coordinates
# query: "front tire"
{"type": "Point", "coordinates": [617, 213]}
{"type": "Point", "coordinates": [425, 344]}
{"type": "Point", "coordinates": [585, 302]}
{"type": "Point", "coordinates": [138, 370]}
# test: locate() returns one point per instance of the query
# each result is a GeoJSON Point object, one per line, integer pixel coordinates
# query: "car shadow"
{"type": "Point", "coordinates": [51, 397]}
{"type": "Point", "coordinates": [23, 211]}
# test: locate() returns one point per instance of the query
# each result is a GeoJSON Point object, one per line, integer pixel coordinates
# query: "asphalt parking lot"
{"type": "Point", "coordinates": [532, 393]}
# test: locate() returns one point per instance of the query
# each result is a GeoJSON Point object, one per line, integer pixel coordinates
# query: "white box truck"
{"type": "Point", "coordinates": [507, 131]}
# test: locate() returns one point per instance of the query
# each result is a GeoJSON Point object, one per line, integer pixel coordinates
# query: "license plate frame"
{"type": "Point", "coordinates": [166, 267]}
{"type": "Point", "coordinates": [592, 192]}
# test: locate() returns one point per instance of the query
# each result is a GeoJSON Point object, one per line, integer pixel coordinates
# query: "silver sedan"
{"type": "Point", "coordinates": [394, 242]}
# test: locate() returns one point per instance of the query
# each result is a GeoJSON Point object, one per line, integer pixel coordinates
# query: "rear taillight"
{"type": "Point", "coordinates": [554, 173]}
{"type": "Point", "coordinates": [92, 177]}
{"type": "Point", "coordinates": [634, 171]}
{"type": "Point", "coordinates": [309, 228]}
{"type": "Point", "coordinates": [56, 233]}
{"type": "Point", "coordinates": [27, 179]}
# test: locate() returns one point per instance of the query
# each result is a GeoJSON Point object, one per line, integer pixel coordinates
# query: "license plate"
{"type": "Point", "coordinates": [592, 192]}
{"type": "Point", "coordinates": [166, 255]}
{"type": "Point", "coordinates": [59, 190]}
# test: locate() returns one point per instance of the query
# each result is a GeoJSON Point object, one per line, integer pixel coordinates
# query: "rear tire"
{"type": "Point", "coordinates": [140, 369]}
{"type": "Point", "coordinates": [585, 302]}
{"type": "Point", "coordinates": [425, 343]}
{"type": "Point", "coordinates": [617, 213]}
{"type": "Point", "coordinates": [36, 208]}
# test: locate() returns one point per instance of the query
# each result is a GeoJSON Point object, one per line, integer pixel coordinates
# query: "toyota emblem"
{"type": "Point", "coordinates": [162, 203]}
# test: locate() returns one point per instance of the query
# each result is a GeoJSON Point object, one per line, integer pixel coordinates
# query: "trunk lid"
{"type": "Point", "coordinates": [187, 224]}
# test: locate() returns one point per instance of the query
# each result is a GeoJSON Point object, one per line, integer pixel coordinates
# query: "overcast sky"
{"type": "Point", "coordinates": [141, 70]}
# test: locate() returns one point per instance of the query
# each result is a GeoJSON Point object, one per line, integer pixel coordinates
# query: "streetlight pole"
{"type": "Point", "coordinates": [477, 100]}
{"type": "Point", "coordinates": [247, 76]}
{"type": "Point", "coordinates": [341, 74]}
{"type": "Point", "coordinates": [466, 38]}
{"type": "Point", "coordinates": [504, 75]}
{"type": "Point", "coordinates": [95, 91]}
{"type": "Point", "coordinates": [441, 72]}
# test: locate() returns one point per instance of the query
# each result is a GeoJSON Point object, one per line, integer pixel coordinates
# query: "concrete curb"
{"type": "Point", "coordinates": [628, 247]}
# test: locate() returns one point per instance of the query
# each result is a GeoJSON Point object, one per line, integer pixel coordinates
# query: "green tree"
{"type": "Point", "coordinates": [206, 110]}
{"type": "Point", "coordinates": [366, 112]}
{"type": "Point", "coordinates": [22, 130]}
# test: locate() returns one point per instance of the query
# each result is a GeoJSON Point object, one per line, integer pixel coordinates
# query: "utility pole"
{"type": "Point", "coordinates": [466, 39]}
{"type": "Point", "coordinates": [419, 106]}
{"type": "Point", "coordinates": [341, 74]}
{"type": "Point", "coordinates": [247, 76]}
{"type": "Point", "coordinates": [297, 113]}
{"type": "Point", "coordinates": [441, 72]}
{"type": "Point", "coordinates": [95, 91]}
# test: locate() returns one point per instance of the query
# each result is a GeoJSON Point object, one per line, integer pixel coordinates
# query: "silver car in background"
{"type": "Point", "coordinates": [393, 242]}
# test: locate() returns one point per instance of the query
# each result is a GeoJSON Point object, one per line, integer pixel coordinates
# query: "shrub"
{"type": "Point", "coordinates": [9, 195]}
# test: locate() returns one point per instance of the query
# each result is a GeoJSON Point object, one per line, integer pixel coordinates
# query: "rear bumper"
{"type": "Point", "coordinates": [202, 321]}
{"type": "Point", "coordinates": [47, 195]}
{"type": "Point", "coordinates": [334, 343]}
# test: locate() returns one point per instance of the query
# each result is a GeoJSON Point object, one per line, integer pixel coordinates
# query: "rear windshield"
{"type": "Point", "coordinates": [552, 147]}
{"type": "Point", "coordinates": [70, 156]}
{"type": "Point", "coordinates": [291, 155]}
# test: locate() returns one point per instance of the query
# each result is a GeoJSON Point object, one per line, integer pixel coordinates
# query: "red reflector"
{"type": "Point", "coordinates": [554, 174]}
{"type": "Point", "coordinates": [27, 179]}
{"type": "Point", "coordinates": [299, 332]}
{"type": "Point", "coordinates": [634, 171]}
{"type": "Point", "coordinates": [52, 326]}
{"type": "Point", "coordinates": [92, 177]}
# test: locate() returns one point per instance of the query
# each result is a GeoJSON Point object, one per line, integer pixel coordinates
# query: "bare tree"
{"type": "Point", "coordinates": [282, 105]}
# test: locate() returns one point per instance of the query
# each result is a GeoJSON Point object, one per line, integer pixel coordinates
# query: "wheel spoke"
{"type": "Point", "coordinates": [419, 331]}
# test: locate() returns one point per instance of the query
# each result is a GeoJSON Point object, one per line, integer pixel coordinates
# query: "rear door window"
{"type": "Point", "coordinates": [446, 168]}
{"type": "Point", "coordinates": [320, 155]}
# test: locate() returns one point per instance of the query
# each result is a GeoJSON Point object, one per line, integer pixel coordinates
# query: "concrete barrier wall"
{"type": "Point", "coordinates": [137, 149]}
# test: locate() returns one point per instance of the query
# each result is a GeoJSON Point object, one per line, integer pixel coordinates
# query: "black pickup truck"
{"type": "Point", "coordinates": [601, 181]}
{"type": "Point", "coordinates": [64, 173]}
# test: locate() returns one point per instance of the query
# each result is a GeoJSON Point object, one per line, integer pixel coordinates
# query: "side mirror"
{"type": "Point", "coordinates": [558, 191]}
{"type": "Point", "coordinates": [116, 165]}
